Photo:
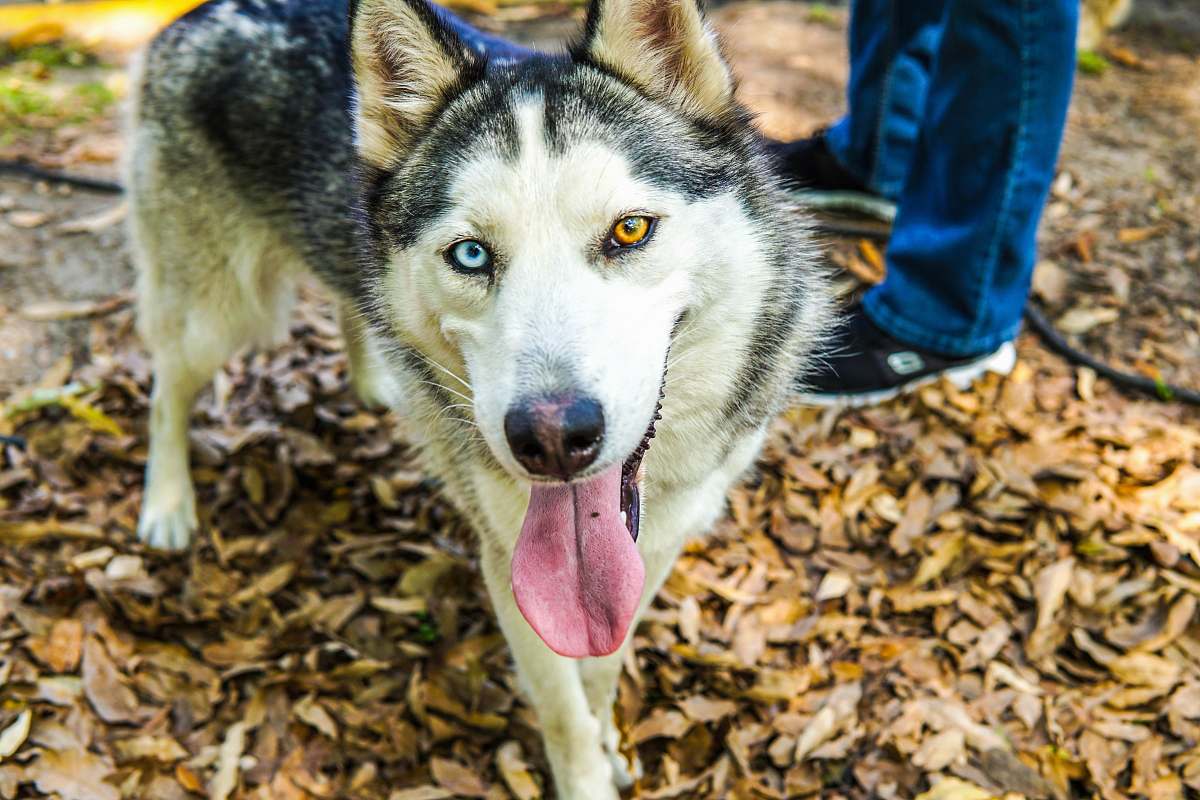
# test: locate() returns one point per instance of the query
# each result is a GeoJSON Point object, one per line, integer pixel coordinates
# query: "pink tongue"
{"type": "Point", "coordinates": [576, 572]}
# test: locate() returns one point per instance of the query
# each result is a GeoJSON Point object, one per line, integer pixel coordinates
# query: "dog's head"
{"type": "Point", "coordinates": [540, 230]}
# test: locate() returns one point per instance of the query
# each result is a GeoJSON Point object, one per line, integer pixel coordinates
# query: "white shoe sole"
{"type": "Point", "coordinates": [1000, 362]}
{"type": "Point", "coordinates": [867, 205]}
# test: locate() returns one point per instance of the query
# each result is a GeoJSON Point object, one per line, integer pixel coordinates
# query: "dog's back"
{"type": "Point", "coordinates": [253, 98]}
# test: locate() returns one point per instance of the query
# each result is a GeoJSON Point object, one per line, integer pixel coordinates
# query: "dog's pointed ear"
{"type": "Point", "coordinates": [665, 47]}
{"type": "Point", "coordinates": [406, 63]}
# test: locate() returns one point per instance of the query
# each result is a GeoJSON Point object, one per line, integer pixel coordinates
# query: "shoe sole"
{"type": "Point", "coordinates": [1000, 362]}
{"type": "Point", "coordinates": [861, 203]}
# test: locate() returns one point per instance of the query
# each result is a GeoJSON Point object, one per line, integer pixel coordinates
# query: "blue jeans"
{"type": "Point", "coordinates": [957, 109]}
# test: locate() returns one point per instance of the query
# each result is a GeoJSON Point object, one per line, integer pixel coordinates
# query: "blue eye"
{"type": "Point", "coordinates": [469, 256]}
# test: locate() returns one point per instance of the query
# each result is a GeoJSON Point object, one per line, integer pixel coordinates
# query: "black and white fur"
{"type": "Point", "coordinates": [274, 137]}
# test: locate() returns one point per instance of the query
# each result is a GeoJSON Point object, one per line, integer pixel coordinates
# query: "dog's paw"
{"type": "Point", "coordinates": [594, 780]}
{"type": "Point", "coordinates": [168, 526]}
{"type": "Point", "coordinates": [625, 773]}
{"type": "Point", "coordinates": [593, 790]}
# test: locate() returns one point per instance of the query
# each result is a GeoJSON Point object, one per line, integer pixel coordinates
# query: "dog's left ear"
{"type": "Point", "coordinates": [666, 48]}
{"type": "Point", "coordinates": [406, 62]}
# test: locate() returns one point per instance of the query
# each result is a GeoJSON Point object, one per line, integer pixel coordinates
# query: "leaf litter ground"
{"type": "Point", "coordinates": [958, 595]}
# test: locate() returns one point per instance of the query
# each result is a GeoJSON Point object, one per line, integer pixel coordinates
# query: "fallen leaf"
{"type": "Point", "coordinates": [52, 310]}
{"type": "Point", "coordinates": [225, 779]}
{"type": "Point", "coordinates": [309, 711]}
{"type": "Point", "coordinates": [707, 709]}
{"type": "Point", "coordinates": [839, 711]}
{"type": "Point", "coordinates": [73, 775]}
{"type": "Point", "coordinates": [12, 737]}
{"type": "Point", "coordinates": [61, 649]}
{"type": "Point", "coordinates": [457, 778]}
{"type": "Point", "coordinates": [1080, 320]}
{"type": "Point", "coordinates": [1050, 588]}
{"type": "Point", "coordinates": [28, 219]}
{"type": "Point", "coordinates": [1136, 235]}
{"type": "Point", "coordinates": [157, 748]}
{"type": "Point", "coordinates": [835, 584]}
{"type": "Point", "coordinates": [954, 789]}
{"type": "Point", "coordinates": [106, 688]}
{"type": "Point", "coordinates": [933, 565]}
{"type": "Point", "coordinates": [1144, 669]}
{"type": "Point", "coordinates": [95, 223]}
{"type": "Point", "coordinates": [515, 772]}
{"type": "Point", "coordinates": [421, 793]}
{"type": "Point", "coordinates": [941, 750]}
{"type": "Point", "coordinates": [661, 722]}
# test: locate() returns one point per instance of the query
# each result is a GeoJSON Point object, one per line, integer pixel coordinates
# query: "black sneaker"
{"type": "Point", "coordinates": [821, 181]}
{"type": "Point", "coordinates": [866, 366]}
{"type": "Point", "coordinates": [808, 164]}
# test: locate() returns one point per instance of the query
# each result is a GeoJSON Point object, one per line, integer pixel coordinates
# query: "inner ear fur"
{"type": "Point", "coordinates": [406, 63]}
{"type": "Point", "coordinates": [665, 47]}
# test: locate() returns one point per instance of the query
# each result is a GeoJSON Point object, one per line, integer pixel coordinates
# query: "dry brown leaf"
{"type": "Point", "coordinates": [311, 712]}
{"type": "Point", "coordinates": [61, 649]}
{"type": "Point", "coordinates": [933, 565]}
{"type": "Point", "coordinates": [266, 584]}
{"type": "Point", "coordinates": [750, 639]}
{"type": "Point", "coordinates": [661, 722]}
{"type": "Point", "coordinates": [158, 748]}
{"type": "Point", "coordinates": [421, 793]}
{"type": "Point", "coordinates": [1080, 320]}
{"type": "Point", "coordinates": [225, 779]}
{"type": "Point", "coordinates": [1145, 669]}
{"type": "Point", "coordinates": [12, 737]}
{"type": "Point", "coordinates": [839, 712]}
{"type": "Point", "coordinates": [51, 310]}
{"type": "Point", "coordinates": [955, 789]}
{"type": "Point", "coordinates": [707, 709]}
{"type": "Point", "coordinates": [28, 219]}
{"type": "Point", "coordinates": [941, 750]}
{"type": "Point", "coordinates": [834, 585]}
{"type": "Point", "coordinates": [689, 619]}
{"type": "Point", "coordinates": [73, 775]}
{"type": "Point", "coordinates": [1137, 235]}
{"type": "Point", "coordinates": [460, 780]}
{"type": "Point", "coordinates": [95, 223]}
{"type": "Point", "coordinates": [515, 772]}
{"type": "Point", "coordinates": [106, 688]}
{"type": "Point", "coordinates": [1050, 588]}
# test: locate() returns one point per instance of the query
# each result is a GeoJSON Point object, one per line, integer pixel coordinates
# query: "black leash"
{"type": "Point", "coordinates": [24, 169]}
{"type": "Point", "coordinates": [1053, 340]}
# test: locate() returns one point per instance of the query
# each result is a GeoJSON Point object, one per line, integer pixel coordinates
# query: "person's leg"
{"type": "Point", "coordinates": [963, 245]}
{"type": "Point", "coordinates": [892, 49]}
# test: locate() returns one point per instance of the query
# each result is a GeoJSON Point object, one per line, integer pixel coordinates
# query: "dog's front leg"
{"type": "Point", "coordinates": [569, 730]}
{"type": "Point", "coordinates": [600, 675]}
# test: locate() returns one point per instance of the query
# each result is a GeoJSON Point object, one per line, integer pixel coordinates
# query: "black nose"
{"type": "Point", "coordinates": [555, 436]}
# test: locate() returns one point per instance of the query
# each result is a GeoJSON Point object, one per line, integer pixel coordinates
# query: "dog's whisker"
{"type": "Point", "coordinates": [454, 392]}
{"type": "Point", "coordinates": [433, 363]}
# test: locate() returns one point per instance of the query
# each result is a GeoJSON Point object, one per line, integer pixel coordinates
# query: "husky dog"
{"type": "Point", "coordinates": [546, 262]}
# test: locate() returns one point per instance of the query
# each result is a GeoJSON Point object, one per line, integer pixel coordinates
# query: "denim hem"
{"type": "Point", "coordinates": [918, 334]}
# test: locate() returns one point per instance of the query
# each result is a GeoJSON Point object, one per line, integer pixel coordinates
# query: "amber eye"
{"type": "Point", "coordinates": [632, 231]}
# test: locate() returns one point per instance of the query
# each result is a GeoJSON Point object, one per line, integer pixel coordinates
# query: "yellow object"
{"type": "Point", "coordinates": [103, 23]}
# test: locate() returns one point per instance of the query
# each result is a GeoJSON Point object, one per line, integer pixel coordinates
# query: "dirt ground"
{"type": "Point", "coordinates": [955, 596]}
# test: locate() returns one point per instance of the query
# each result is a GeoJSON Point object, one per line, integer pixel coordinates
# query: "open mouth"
{"type": "Point", "coordinates": [577, 574]}
{"type": "Point", "coordinates": [631, 494]}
